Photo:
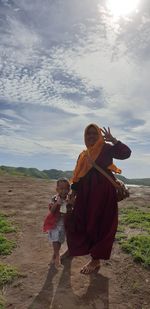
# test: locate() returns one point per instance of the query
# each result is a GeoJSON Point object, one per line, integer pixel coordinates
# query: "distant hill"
{"type": "Point", "coordinates": [55, 174]}
{"type": "Point", "coordinates": [34, 172]}
{"type": "Point", "coordinates": [135, 181]}
{"type": "Point", "coordinates": [22, 171]}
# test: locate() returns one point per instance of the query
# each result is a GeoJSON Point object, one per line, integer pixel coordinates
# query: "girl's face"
{"type": "Point", "coordinates": [63, 189]}
{"type": "Point", "coordinates": [91, 136]}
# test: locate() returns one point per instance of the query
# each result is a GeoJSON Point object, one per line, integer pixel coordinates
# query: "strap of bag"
{"type": "Point", "coordinates": [104, 173]}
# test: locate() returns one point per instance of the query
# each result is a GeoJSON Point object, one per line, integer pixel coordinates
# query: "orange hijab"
{"type": "Point", "coordinates": [83, 164]}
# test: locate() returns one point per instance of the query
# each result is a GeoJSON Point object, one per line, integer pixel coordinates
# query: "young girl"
{"type": "Point", "coordinates": [54, 222]}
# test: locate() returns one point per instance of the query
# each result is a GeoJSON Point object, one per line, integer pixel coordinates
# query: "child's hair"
{"type": "Point", "coordinates": [63, 179]}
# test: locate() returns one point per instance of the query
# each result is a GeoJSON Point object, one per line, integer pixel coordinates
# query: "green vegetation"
{"type": "Point", "coordinates": [22, 171]}
{"type": "Point", "coordinates": [120, 237]}
{"type": "Point", "coordinates": [5, 226]}
{"type": "Point", "coordinates": [8, 274]}
{"type": "Point", "coordinates": [135, 218]}
{"type": "Point", "coordinates": [139, 248]}
{"type": "Point", "coordinates": [2, 302]}
{"type": "Point", "coordinates": [34, 172]}
{"type": "Point", "coordinates": [6, 246]}
{"type": "Point", "coordinates": [120, 233]}
{"type": "Point", "coordinates": [55, 174]}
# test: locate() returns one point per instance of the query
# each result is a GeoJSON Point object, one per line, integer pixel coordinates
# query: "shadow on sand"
{"type": "Point", "coordinates": [57, 292]}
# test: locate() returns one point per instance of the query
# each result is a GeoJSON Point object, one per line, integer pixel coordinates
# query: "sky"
{"type": "Point", "coordinates": [65, 64]}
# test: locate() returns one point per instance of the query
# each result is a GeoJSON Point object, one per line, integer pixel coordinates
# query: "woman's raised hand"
{"type": "Point", "coordinates": [108, 136]}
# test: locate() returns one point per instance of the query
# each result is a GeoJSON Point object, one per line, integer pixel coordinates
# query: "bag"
{"type": "Point", "coordinates": [122, 191]}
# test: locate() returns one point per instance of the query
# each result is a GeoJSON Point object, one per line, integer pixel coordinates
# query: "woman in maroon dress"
{"type": "Point", "coordinates": [95, 209]}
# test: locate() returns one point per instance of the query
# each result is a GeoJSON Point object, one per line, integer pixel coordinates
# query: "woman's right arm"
{"type": "Point", "coordinates": [118, 150]}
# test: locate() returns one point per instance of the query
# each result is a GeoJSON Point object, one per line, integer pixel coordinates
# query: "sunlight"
{"type": "Point", "coordinates": [120, 8]}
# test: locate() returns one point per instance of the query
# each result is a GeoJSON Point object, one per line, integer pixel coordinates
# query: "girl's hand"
{"type": "Point", "coordinates": [58, 202]}
{"type": "Point", "coordinates": [108, 136]}
{"type": "Point", "coordinates": [55, 206]}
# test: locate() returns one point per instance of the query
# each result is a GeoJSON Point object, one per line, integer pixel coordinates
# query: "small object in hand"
{"type": "Point", "coordinates": [63, 208]}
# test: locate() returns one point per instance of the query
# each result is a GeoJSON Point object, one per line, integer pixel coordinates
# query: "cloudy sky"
{"type": "Point", "coordinates": [65, 64]}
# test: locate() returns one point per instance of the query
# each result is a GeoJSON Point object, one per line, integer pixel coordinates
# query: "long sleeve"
{"type": "Point", "coordinates": [120, 151]}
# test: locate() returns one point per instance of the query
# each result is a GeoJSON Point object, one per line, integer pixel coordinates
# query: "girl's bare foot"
{"type": "Point", "coordinates": [90, 267]}
{"type": "Point", "coordinates": [57, 262]}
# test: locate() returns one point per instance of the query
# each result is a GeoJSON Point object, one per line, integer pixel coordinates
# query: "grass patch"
{"type": "Point", "coordinates": [120, 233]}
{"type": "Point", "coordinates": [120, 236]}
{"type": "Point", "coordinates": [120, 229]}
{"type": "Point", "coordinates": [130, 206]}
{"type": "Point", "coordinates": [6, 246]}
{"type": "Point", "coordinates": [2, 302]}
{"type": "Point", "coordinates": [135, 218]}
{"type": "Point", "coordinates": [8, 274]}
{"type": "Point", "coordinates": [139, 248]}
{"type": "Point", "coordinates": [6, 226]}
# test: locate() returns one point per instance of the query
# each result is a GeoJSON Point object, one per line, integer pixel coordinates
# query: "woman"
{"type": "Point", "coordinates": [95, 210]}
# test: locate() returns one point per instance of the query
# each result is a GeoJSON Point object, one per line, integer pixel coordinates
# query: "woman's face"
{"type": "Point", "coordinates": [91, 136]}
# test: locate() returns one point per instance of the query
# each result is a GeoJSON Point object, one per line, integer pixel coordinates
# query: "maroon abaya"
{"type": "Point", "coordinates": [96, 209]}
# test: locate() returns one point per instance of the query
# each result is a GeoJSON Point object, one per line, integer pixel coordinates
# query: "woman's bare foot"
{"type": "Point", "coordinates": [90, 267]}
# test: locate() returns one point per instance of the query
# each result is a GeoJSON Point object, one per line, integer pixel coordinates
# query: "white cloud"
{"type": "Point", "coordinates": [65, 64]}
{"type": "Point", "coordinates": [27, 146]}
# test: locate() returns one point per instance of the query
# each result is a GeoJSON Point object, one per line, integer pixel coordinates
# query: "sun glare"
{"type": "Point", "coordinates": [122, 8]}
